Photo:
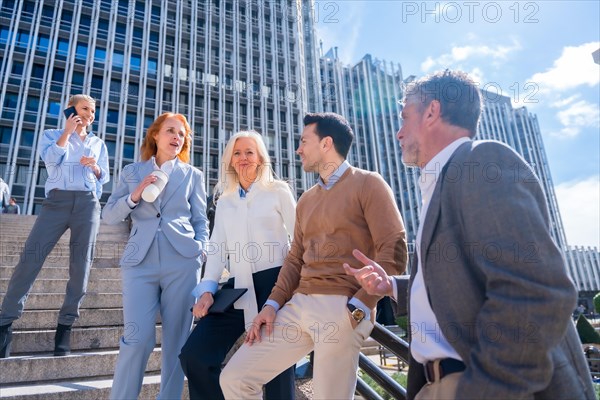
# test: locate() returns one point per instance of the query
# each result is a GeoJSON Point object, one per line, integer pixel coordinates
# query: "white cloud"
{"type": "Point", "coordinates": [579, 204]}
{"type": "Point", "coordinates": [459, 54]}
{"type": "Point", "coordinates": [577, 116]}
{"type": "Point", "coordinates": [565, 102]}
{"type": "Point", "coordinates": [573, 68]}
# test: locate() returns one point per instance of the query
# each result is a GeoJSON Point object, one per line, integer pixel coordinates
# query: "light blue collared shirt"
{"type": "Point", "coordinates": [333, 179]}
{"type": "Point", "coordinates": [337, 174]}
{"type": "Point", "coordinates": [243, 192]}
{"type": "Point", "coordinates": [65, 172]}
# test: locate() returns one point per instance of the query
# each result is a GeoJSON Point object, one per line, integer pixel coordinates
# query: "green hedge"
{"type": "Point", "coordinates": [587, 333]}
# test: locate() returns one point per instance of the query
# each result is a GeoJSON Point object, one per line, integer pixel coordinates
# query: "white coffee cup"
{"type": "Point", "coordinates": [152, 191]}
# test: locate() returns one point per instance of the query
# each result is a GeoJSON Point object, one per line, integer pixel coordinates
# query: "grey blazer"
{"type": "Point", "coordinates": [497, 282]}
{"type": "Point", "coordinates": [180, 211]}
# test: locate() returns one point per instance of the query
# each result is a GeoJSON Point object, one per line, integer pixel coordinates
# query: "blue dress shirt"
{"type": "Point", "coordinates": [65, 172]}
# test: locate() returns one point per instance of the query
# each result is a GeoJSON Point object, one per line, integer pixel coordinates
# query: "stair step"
{"type": "Point", "coordinates": [46, 319]}
{"type": "Point", "coordinates": [27, 342]}
{"type": "Point", "coordinates": [46, 301]}
{"type": "Point", "coordinates": [39, 368]}
{"type": "Point", "coordinates": [81, 390]}
{"type": "Point", "coordinates": [48, 272]}
{"type": "Point", "coordinates": [20, 221]}
{"type": "Point", "coordinates": [60, 285]}
{"type": "Point", "coordinates": [62, 261]}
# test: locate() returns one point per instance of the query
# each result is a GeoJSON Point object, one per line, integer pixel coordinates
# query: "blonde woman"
{"type": "Point", "coordinates": [254, 222]}
{"type": "Point", "coordinates": [161, 262]}
{"type": "Point", "coordinates": [77, 164]}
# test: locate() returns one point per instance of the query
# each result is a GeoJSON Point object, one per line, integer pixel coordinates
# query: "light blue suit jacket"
{"type": "Point", "coordinates": [179, 212]}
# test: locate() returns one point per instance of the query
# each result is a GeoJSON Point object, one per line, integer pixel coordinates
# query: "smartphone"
{"type": "Point", "coordinates": [69, 111]}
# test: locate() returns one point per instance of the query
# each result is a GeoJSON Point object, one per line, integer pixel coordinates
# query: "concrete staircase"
{"type": "Point", "coordinates": [32, 372]}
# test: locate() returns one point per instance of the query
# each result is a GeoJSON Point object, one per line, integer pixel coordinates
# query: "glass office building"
{"type": "Point", "coordinates": [226, 65]}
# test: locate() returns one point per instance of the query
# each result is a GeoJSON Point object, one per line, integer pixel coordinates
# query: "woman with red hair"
{"type": "Point", "coordinates": [166, 200]}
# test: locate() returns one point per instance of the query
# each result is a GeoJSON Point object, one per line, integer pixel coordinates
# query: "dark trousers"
{"type": "Point", "coordinates": [203, 353]}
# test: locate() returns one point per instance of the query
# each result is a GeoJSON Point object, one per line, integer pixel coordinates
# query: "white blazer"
{"type": "Point", "coordinates": [255, 233]}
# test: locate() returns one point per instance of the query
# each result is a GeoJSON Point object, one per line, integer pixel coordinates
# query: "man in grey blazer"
{"type": "Point", "coordinates": [489, 298]}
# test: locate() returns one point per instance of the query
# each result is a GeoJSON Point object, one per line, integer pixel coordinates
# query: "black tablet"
{"type": "Point", "coordinates": [224, 299]}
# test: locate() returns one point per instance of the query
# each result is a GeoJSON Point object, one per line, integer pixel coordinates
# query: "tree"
{"type": "Point", "coordinates": [587, 333]}
{"type": "Point", "coordinates": [597, 303]}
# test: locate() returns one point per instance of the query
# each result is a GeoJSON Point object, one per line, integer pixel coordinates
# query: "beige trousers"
{"type": "Point", "coordinates": [306, 322]}
{"type": "Point", "coordinates": [440, 389]}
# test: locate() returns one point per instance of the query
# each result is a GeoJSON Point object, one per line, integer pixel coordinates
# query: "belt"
{"type": "Point", "coordinates": [443, 368]}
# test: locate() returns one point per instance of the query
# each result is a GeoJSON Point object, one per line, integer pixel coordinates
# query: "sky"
{"type": "Point", "coordinates": [539, 53]}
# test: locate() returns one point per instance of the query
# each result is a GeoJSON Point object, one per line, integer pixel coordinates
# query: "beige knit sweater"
{"type": "Point", "coordinates": [358, 212]}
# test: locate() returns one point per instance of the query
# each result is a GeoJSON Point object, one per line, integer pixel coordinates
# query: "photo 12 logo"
{"type": "Point", "coordinates": [470, 11]}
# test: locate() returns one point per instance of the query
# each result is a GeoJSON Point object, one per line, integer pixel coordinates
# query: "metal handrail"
{"type": "Point", "coordinates": [397, 346]}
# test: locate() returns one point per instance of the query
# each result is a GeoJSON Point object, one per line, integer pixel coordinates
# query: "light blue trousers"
{"type": "Point", "coordinates": [163, 282]}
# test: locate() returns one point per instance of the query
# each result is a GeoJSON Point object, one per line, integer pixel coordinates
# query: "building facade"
{"type": "Point", "coordinates": [227, 65]}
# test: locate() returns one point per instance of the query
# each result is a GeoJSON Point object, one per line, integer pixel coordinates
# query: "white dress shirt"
{"type": "Point", "coordinates": [428, 343]}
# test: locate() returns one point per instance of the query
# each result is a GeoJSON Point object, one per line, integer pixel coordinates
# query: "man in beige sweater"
{"type": "Point", "coordinates": [314, 304]}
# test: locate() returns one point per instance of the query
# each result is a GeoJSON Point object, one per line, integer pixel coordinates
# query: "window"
{"type": "Point", "coordinates": [37, 71]}
{"type": "Point", "coordinates": [33, 103]}
{"type": "Point", "coordinates": [100, 55]}
{"type": "Point", "coordinates": [97, 82]}
{"type": "Point", "coordinates": [5, 35]}
{"type": "Point", "coordinates": [5, 134]}
{"type": "Point", "coordinates": [130, 120]}
{"type": "Point", "coordinates": [63, 47]}
{"type": "Point", "coordinates": [77, 78]}
{"type": "Point", "coordinates": [103, 25]}
{"type": "Point", "coordinates": [22, 38]}
{"type": "Point", "coordinates": [81, 51]}
{"type": "Point", "coordinates": [128, 151]}
{"type": "Point", "coordinates": [10, 100]}
{"type": "Point", "coordinates": [85, 21]}
{"type": "Point", "coordinates": [43, 43]}
{"type": "Point", "coordinates": [27, 135]}
{"type": "Point", "coordinates": [67, 19]}
{"type": "Point", "coordinates": [136, 61]}
{"type": "Point", "coordinates": [148, 119]}
{"type": "Point", "coordinates": [48, 12]}
{"type": "Point", "coordinates": [139, 6]}
{"type": "Point", "coordinates": [53, 108]}
{"type": "Point", "coordinates": [17, 68]}
{"type": "Point", "coordinates": [121, 29]}
{"type": "Point", "coordinates": [150, 92]}
{"type": "Point", "coordinates": [152, 67]}
{"type": "Point", "coordinates": [58, 75]}
{"type": "Point", "coordinates": [133, 89]}
{"type": "Point", "coordinates": [111, 146]}
{"type": "Point", "coordinates": [138, 33]}
{"type": "Point", "coordinates": [112, 116]}
{"type": "Point", "coordinates": [118, 59]}
{"type": "Point", "coordinates": [67, 16]}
